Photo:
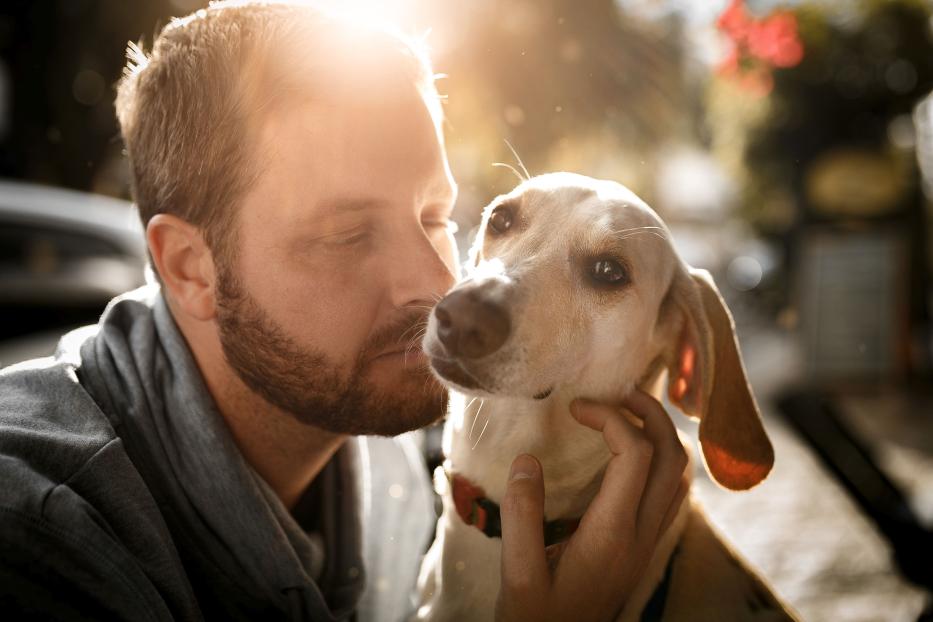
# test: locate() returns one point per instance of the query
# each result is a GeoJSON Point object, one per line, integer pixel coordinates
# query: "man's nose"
{"type": "Point", "coordinates": [422, 273]}
{"type": "Point", "coordinates": [470, 324]}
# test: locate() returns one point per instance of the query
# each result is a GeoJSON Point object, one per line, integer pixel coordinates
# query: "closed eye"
{"type": "Point", "coordinates": [348, 237]}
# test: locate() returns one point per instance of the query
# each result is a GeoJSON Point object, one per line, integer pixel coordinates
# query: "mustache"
{"type": "Point", "coordinates": [405, 330]}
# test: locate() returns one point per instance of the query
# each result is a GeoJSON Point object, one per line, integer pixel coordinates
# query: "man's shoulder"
{"type": "Point", "coordinates": [80, 531]}
{"type": "Point", "coordinates": [50, 428]}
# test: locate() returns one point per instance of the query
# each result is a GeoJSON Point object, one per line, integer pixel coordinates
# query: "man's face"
{"type": "Point", "coordinates": [342, 247]}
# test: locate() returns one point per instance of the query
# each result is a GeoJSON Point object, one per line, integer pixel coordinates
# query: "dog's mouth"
{"type": "Point", "coordinates": [452, 371]}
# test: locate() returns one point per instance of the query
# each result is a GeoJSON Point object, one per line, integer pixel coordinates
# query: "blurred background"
{"type": "Point", "coordinates": [788, 145]}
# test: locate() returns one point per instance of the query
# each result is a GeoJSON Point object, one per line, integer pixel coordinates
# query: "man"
{"type": "Point", "coordinates": [195, 454]}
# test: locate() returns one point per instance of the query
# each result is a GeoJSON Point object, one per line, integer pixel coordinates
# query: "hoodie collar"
{"type": "Point", "coordinates": [139, 369]}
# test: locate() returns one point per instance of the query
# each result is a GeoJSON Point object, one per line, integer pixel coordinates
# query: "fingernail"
{"type": "Point", "coordinates": [523, 467]}
{"type": "Point", "coordinates": [632, 417]}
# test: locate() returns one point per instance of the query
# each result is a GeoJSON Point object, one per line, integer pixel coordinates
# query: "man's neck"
{"type": "Point", "coordinates": [287, 453]}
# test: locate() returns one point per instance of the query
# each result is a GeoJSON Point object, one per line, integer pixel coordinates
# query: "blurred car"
{"type": "Point", "coordinates": [63, 256]}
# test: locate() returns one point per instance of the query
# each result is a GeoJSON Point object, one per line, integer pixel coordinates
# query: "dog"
{"type": "Point", "coordinates": [574, 289]}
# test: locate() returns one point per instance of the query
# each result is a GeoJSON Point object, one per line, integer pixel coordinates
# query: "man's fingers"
{"type": "Point", "coordinates": [643, 404]}
{"type": "Point", "coordinates": [619, 434]}
{"type": "Point", "coordinates": [674, 507]}
{"type": "Point", "coordinates": [614, 509]}
{"type": "Point", "coordinates": [524, 566]}
{"type": "Point", "coordinates": [667, 464]}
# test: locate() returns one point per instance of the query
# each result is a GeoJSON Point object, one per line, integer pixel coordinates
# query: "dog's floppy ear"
{"type": "Point", "coordinates": [707, 380]}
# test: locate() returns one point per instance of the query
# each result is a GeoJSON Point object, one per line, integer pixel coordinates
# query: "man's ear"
{"type": "Point", "coordinates": [707, 380]}
{"type": "Point", "coordinates": [184, 262]}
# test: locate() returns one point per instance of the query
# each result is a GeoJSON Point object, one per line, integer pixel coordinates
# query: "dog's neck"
{"type": "Point", "coordinates": [484, 436]}
{"type": "Point", "coordinates": [483, 441]}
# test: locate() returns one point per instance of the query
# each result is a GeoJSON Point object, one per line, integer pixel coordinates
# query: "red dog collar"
{"type": "Point", "coordinates": [476, 509]}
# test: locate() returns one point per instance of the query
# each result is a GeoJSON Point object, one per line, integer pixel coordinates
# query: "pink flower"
{"type": "Point", "coordinates": [735, 21]}
{"type": "Point", "coordinates": [775, 40]}
{"type": "Point", "coordinates": [757, 46]}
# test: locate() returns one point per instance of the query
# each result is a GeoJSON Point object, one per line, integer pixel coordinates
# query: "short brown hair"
{"type": "Point", "coordinates": [187, 110]}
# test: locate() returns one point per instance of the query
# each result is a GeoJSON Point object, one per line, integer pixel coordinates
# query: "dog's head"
{"type": "Point", "coordinates": [573, 285]}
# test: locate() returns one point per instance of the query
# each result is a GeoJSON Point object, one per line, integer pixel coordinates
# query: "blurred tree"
{"type": "Point", "coordinates": [573, 84]}
{"type": "Point", "coordinates": [864, 68]}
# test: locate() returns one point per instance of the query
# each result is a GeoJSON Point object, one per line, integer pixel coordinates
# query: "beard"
{"type": "Point", "coordinates": [310, 386]}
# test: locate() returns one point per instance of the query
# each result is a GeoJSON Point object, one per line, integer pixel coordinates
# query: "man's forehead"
{"type": "Point", "coordinates": [338, 117]}
{"type": "Point", "coordinates": [321, 136]}
{"type": "Point", "coordinates": [436, 189]}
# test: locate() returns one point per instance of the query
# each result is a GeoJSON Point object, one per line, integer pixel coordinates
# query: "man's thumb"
{"type": "Point", "coordinates": [523, 560]}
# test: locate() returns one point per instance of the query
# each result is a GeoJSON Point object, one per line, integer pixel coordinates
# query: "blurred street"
{"type": "Point", "coordinates": [799, 527]}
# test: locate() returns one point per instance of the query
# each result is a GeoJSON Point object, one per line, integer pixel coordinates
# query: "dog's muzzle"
{"type": "Point", "coordinates": [471, 325]}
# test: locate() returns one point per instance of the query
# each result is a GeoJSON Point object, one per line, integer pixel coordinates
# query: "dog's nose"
{"type": "Point", "coordinates": [469, 325]}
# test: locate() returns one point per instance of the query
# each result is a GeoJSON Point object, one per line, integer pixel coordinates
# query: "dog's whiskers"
{"type": "Point", "coordinates": [511, 168]}
{"type": "Point", "coordinates": [633, 231]}
{"type": "Point", "coordinates": [415, 327]}
{"type": "Point", "coordinates": [483, 431]}
{"type": "Point", "coordinates": [475, 419]}
{"type": "Point", "coordinates": [428, 377]}
{"type": "Point", "coordinates": [415, 340]}
{"type": "Point", "coordinates": [627, 229]}
{"type": "Point", "coordinates": [520, 163]}
{"type": "Point", "coordinates": [632, 235]}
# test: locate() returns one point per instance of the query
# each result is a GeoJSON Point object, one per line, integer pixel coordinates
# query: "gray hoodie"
{"type": "Point", "coordinates": [123, 495]}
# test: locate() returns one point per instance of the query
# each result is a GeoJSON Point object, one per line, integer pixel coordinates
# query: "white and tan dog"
{"type": "Point", "coordinates": [575, 290]}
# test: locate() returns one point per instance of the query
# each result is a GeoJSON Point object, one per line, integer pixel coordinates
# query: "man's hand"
{"type": "Point", "coordinates": [591, 575]}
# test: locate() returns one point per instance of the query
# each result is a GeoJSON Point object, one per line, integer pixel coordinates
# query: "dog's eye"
{"type": "Point", "coordinates": [501, 219]}
{"type": "Point", "coordinates": [608, 271]}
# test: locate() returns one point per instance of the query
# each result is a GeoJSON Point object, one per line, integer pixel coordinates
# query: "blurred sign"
{"type": "Point", "coordinates": [857, 182]}
{"type": "Point", "coordinates": [851, 298]}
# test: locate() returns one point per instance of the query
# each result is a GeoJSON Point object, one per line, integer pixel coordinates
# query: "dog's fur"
{"type": "Point", "coordinates": [572, 337]}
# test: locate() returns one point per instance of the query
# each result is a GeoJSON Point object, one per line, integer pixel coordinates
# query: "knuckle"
{"type": "Point", "coordinates": [519, 586]}
{"type": "Point", "coordinates": [643, 448]}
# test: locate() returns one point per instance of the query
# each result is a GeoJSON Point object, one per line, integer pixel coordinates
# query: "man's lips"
{"type": "Point", "coordinates": [409, 353]}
